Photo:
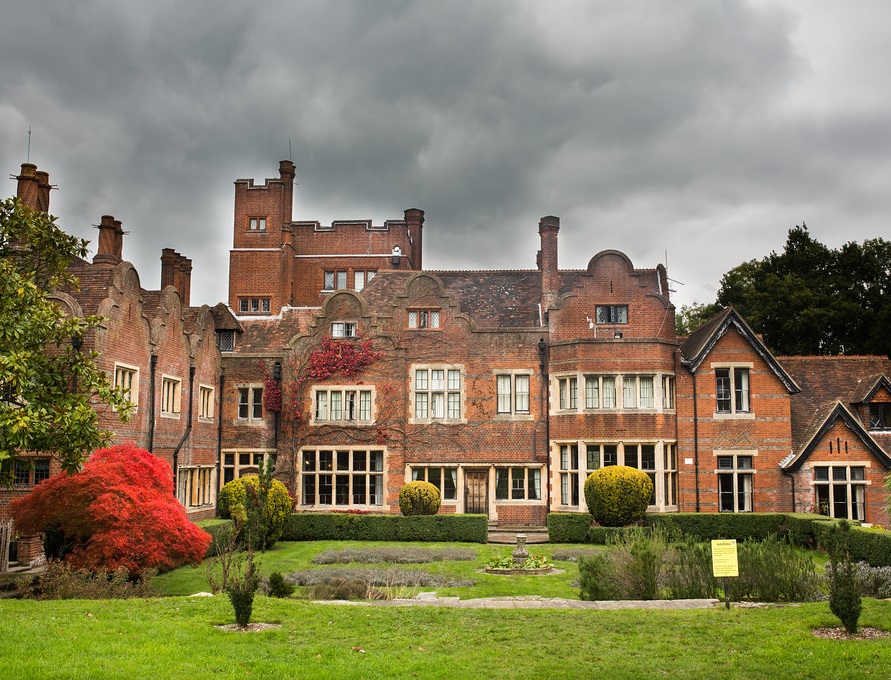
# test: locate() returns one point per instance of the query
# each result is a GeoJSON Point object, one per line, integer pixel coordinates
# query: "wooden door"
{"type": "Point", "coordinates": [476, 492]}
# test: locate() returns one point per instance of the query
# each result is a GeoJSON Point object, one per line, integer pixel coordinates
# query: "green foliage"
{"type": "Point", "coordinates": [689, 574]}
{"type": "Point", "coordinates": [350, 527]}
{"type": "Point", "coordinates": [568, 527]}
{"type": "Point", "coordinates": [533, 562]}
{"type": "Point", "coordinates": [707, 526]}
{"type": "Point", "coordinates": [419, 498]}
{"type": "Point", "coordinates": [597, 579]}
{"type": "Point", "coordinates": [844, 591]}
{"type": "Point", "coordinates": [231, 504]}
{"type": "Point", "coordinates": [810, 299]}
{"type": "Point", "coordinates": [48, 389]}
{"type": "Point", "coordinates": [62, 581]}
{"type": "Point", "coordinates": [277, 586]}
{"type": "Point", "coordinates": [630, 570]}
{"type": "Point", "coordinates": [772, 570]}
{"type": "Point", "coordinates": [344, 589]}
{"type": "Point", "coordinates": [618, 495]}
{"type": "Point", "coordinates": [691, 317]}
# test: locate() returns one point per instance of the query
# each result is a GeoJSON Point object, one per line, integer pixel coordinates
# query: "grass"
{"type": "Point", "coordinates": [175, 637]}
{"type": "Point", "coordinates": [297, 556]}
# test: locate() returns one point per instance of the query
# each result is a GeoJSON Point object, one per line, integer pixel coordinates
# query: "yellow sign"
{"type": "Point", "coordinates": [724, 562]}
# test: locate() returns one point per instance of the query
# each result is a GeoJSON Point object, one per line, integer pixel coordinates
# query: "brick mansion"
{"type": "Point", "coordinates": [354, 368]}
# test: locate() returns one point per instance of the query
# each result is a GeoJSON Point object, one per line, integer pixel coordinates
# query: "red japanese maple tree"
{"type": "Point", "coordinates": [119, 511]}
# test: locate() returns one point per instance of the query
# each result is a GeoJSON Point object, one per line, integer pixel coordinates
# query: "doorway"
{"type": "Point", "coordinates": [476, 492]}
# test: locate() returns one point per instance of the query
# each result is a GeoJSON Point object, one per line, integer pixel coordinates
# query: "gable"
{"type": "Point", "coordinates": [839, 412]}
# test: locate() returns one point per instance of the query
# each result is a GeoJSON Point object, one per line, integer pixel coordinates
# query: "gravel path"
{"type": "Point", "coordinates": [526, 602]}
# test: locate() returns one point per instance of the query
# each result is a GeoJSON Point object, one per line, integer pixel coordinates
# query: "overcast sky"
{"type": "Point", "coordinates": [697, 131]}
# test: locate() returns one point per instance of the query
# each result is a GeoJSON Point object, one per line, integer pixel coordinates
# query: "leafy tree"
{"type": "Point", "coordinates": [810, 299]}
{"type": "Point", "coordinates": [691, 317]}
{"type": "Point", "coordinates": [49, 390]}
{"type": "Point", "coordinates": [119, 511]}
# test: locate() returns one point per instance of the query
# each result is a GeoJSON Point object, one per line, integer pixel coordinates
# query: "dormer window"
{"type": "Point", "coordinates": [880, 416]}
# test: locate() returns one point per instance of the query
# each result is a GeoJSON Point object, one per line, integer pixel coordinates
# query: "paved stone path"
{"type": "Point", "coordinates": [526, 602]}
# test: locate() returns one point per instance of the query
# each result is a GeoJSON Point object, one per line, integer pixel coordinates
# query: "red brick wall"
{"type": "Point", "coordinates": [768, 434]}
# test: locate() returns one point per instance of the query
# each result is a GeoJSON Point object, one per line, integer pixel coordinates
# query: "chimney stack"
{"type": "Point", "coordinates": [548, 227]}
{"type": "Point", "coordinates": [176, 271]}
{"type": "Point", "coordinates": [29, 186]}
{"type": "Point", "coordinates": [106, 253]}
{"type": "Point", "coordinates": [414, 219]}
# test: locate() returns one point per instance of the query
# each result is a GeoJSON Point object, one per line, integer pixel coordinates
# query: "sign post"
{"type": "Point", "coordinates": [725, 564]}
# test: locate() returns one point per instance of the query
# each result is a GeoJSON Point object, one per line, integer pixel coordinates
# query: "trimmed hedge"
{"type": "Point", "coordinates": [381, 527]}
{"type": "Point", "coordinates": [568, 527]}
{"type": "Point", "coordinates": [810, 531]}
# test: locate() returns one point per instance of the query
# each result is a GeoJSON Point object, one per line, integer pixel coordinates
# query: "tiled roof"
{"type": "Point", "coordinates": [495, 299]}
{"type": "Point", "coordinates": [825, 381]}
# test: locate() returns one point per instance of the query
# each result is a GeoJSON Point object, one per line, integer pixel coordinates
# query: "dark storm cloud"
{"type": "Point", "coordinates": [700, 129]}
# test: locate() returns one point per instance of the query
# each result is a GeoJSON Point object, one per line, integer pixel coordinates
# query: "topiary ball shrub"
{"type": "Point", "coordinates": [231, 505]}
{"type": "Point", "coordinates": [618, 495]}
{"type": "Point", "coordinates": [419, 498]}
{"type": "Point", "coordinates": [277, 586]}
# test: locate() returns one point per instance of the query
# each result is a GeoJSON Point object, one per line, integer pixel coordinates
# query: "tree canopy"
{"type": "Point", "coordinates": [49, 390]}
{"type": "Point", "coordinates": [120, 511]}
{"type": "Point", "coordinates": [811, 299]}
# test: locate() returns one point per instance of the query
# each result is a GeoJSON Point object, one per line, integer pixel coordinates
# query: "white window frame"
{"type": "Point", "coordinates": [512, 393]}
{"type": "Point", "coordinates": [257, 224]}
{"type": "Point", "coordinates": [196, 485]}
{"type": "Point", "coordinates": [740, 475]}
{"type": "Point", "coordinates": [523, 483]}
{"type": "Point", "coordinates": [171, 396]}
{"type": "Point", "coordinates": [568, 393]}
{"type": "Point", "coordinates": [424, 319]}
{"type": "Point", "coordinates": [736, 391]}
{"type": "Point", "coordinates": [254, 305]}
{"type": "Point", "coordinates": [362, 277]}
{"type": "Point", "coordinates": [236, 463]}
{"type": "Point", "coordinates": [437, 475]}
{"type": "Point", "coordinates": [323, 472]}
{"type": "Point", "coordinates": [439, 396]}
{"type": "Point", "coordinates": [344, 329]}
{"type": "Point", "coordinates": [249, 404]}
{"type": "Point", "coordinates": [854, 489]}
{"type": "Point", "coordinates": [205, 403]}
{"type": "Point", "coordinates": [127, 377]}
{"type": "Point", "coordinates": [343, 405]}
{"type": "Point", "coordinates": [668, 392]}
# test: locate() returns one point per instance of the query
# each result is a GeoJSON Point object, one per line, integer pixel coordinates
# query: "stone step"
{"type": "Point", "coordinates": [508, 534]}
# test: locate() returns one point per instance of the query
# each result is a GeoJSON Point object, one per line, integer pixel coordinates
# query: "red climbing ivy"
{"type": "Point", "coordinates": [341, 357]}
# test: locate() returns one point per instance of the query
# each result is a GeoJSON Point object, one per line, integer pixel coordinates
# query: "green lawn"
{"type": "Point", "coordinates": [297, 556]}
{"type": "Point", "coordinates": [175, 637]}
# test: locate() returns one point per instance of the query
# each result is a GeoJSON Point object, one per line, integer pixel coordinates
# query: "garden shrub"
{"type": "Point", "coordinates": [231, 505]}
{"type": "Point", "coordinates": [631, 569]}
{"type": "Point", "coordinates": [396, 555]}
{"type": "Point", "coordinates": [872, 581]}
{"type": "Point", "coordinates": [568, 527]}
{"type": "Point", "coordinates": [340, 588]}
{"type": "Point", "coordinates": [774, 571]}
{"type": "Point", "coordinates": [618, 495]}
{"type": "Point", "coordinates": [689, 572]}
{"type": "Point", "coordinates": [386, 527]}
{"type": "Point", "coordinates": [419, 498]}
{"type": "Point", "coordinates": [844, 592]}
{"type": "Point", "coordinates": [383, 578]}
{"type": "Point", "coordinates": [277, 586]}
{"type": "Point", "coordinates": [119, 511]}
{"type": "Point", "coordinates": [708, 526]}
{"type": "Point", "coordinates": [61, 581]}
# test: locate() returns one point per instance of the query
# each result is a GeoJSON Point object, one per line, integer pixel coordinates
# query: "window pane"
{"type": "Point", "coordinates": [412, 319]}
{"type": "Point", "coordinates": [454, 405]}
{"type": "Point", "coordinates": [521, 385]}
{"type": "Point", "coordinates": [518, 483]}
{"type": "Point", "coordinates": [609, 393]}
{"type": "Point", "coordinates": [421, 405]}
{"type": "Point", "coordinates": [341, 279]}
{"type": "Point", "coordinates": [450, 483]}
{"type": "Point", "coordinates": [534, 485]}
{"type": "Point", "coordinates": [503, 390]}
{"type": "Point", "coordinates": [359, 280]}
{"type": "Point", "coordinates": [437, 379]}
{"type": "Point", "coordinates": [501, 483]}
{"type": "Point", "coordinates": [434, 319]}
{"type": "Point", "coordinates": [629, 392]}
{"type": "Point", "coordinates": [592, 392]}
{"type": "Point", "coordinates": [593, 457]}
{"type": "Point", "coordinates": [646, 392]}
{"type": "Point", "coordinates": [328, 281]}
{"type": "Point", "coordinates": [741, 388]}
{"type": "Point", "coordinates": [722, 389]}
